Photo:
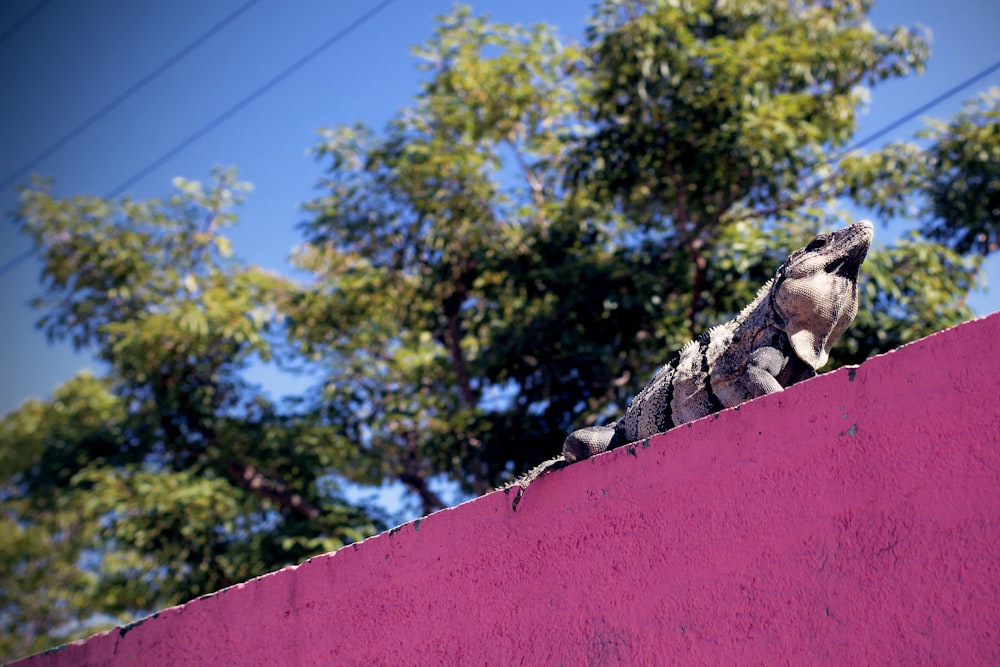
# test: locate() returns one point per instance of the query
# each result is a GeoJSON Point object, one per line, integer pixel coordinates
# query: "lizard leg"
{"type": "Point", "coordinates": [762, 371]}
{"type": "Point", "coordinates": [580, 444]}
{"type": "Point", "coordinates": [587, 442]}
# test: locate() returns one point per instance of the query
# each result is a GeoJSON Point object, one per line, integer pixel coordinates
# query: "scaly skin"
{"type": "Point", "coordinates": [782, 337]}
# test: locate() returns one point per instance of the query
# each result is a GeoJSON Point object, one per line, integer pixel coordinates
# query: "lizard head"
{"type": "Point", "coordinates": [815, 291]}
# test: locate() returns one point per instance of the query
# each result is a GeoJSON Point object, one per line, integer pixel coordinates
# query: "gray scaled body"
{"type": "Point", "coordinates": [782, 337]}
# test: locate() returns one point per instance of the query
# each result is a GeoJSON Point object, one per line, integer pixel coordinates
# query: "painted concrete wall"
{"type": "Point", "coordinates": [853, 520]}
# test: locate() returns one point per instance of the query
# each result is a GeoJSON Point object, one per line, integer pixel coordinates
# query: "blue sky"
{"type": "Point", "coordinates": [70, 58]}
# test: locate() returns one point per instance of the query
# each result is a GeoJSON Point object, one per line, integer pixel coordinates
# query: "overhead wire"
{"type": "Point", "coordinates": [207, 127]}
{"type": "Point", "coordinates": [14, 261]}
{"type": "Point", "coordinates": [285, 73]}
{"type": "Point", "coordinates": [924, 108]}
{"type": "Point", "coordinates": [27, 16]}
{"type": "Point", "coordinates": [248, 99]}
{"type": "Point", "coordinates": [126, 94]}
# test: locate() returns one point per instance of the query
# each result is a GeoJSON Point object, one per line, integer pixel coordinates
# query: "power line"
{"type": "Point", "coordinates": [10, 264]}
{"type": "Point", "coordinates": [256, 93]}
{"type": "Point", "coordinates": [131, 90]}
{"type": "Point", "coordinates": [225, 115]}
{"type": "Point", "coordinates": [27, 16]}
{"type": "Point", "coordinates": [924, 108]}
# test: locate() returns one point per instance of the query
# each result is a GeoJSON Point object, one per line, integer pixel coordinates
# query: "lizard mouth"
{"type": "Point", "coordinates": [848, 266]}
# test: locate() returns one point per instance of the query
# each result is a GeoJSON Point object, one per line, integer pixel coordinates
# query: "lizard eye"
{"type": "Point", "coordinates": [816, 243]}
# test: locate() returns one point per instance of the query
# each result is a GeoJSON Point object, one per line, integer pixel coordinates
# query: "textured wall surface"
{"type": "Point", "coordinates": [852, 520]}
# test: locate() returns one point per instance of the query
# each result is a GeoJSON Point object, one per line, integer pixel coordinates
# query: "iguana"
{"type": "Point", "coordinates": [782, 337]}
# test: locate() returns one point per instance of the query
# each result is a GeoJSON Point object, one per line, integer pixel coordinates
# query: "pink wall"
{"type": "Point", "coordinates": [852, 520]}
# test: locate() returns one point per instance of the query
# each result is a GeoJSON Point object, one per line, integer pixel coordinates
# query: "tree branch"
{"type": "Point", "coordinates": [452, 306]}
{"type": "Point", "coordinates": [413, 477]}
{"type": "Point", "coordinates": [689, 229]}
{"type": "Point", "coordinates": [780, 208]}
{"type": "Point", "coordinates": [537, 189]}
{"type": "Point", "coordinates": [251, 479]}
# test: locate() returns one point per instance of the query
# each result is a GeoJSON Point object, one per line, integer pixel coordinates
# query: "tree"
{"type": "Point", "coordinates": [548, 219]}
{"type": "Point", "coordinates": [962, 180]}
{"type": "Point", "coordinates": [509, 259]}
{"type": "Point", "coordinates": [168, 477]}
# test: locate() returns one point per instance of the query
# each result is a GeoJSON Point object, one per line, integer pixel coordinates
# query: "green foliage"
{"type": "Point", "coordinates": [702, 106]}
{"type": "Point", "coordinates": [512, 257]}
{"type": "Point", "coordinates": [952, 187]}
{"type": "Point", "coordinates": [899, 308]}
{"type": "Point", "coordinates": [963, 180]}
{"type": "Point", "coordinates": [169, 477]}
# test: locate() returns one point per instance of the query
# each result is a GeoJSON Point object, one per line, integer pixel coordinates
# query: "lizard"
{"type": "Point", "coordinates": [782, 337]}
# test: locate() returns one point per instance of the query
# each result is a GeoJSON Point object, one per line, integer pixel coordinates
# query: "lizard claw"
{"type": "Point", "coordinates": [517, 496]}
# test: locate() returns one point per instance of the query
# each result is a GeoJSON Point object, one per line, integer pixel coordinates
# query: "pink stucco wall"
{"type": "Point", "coordinates": [852, 520]}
